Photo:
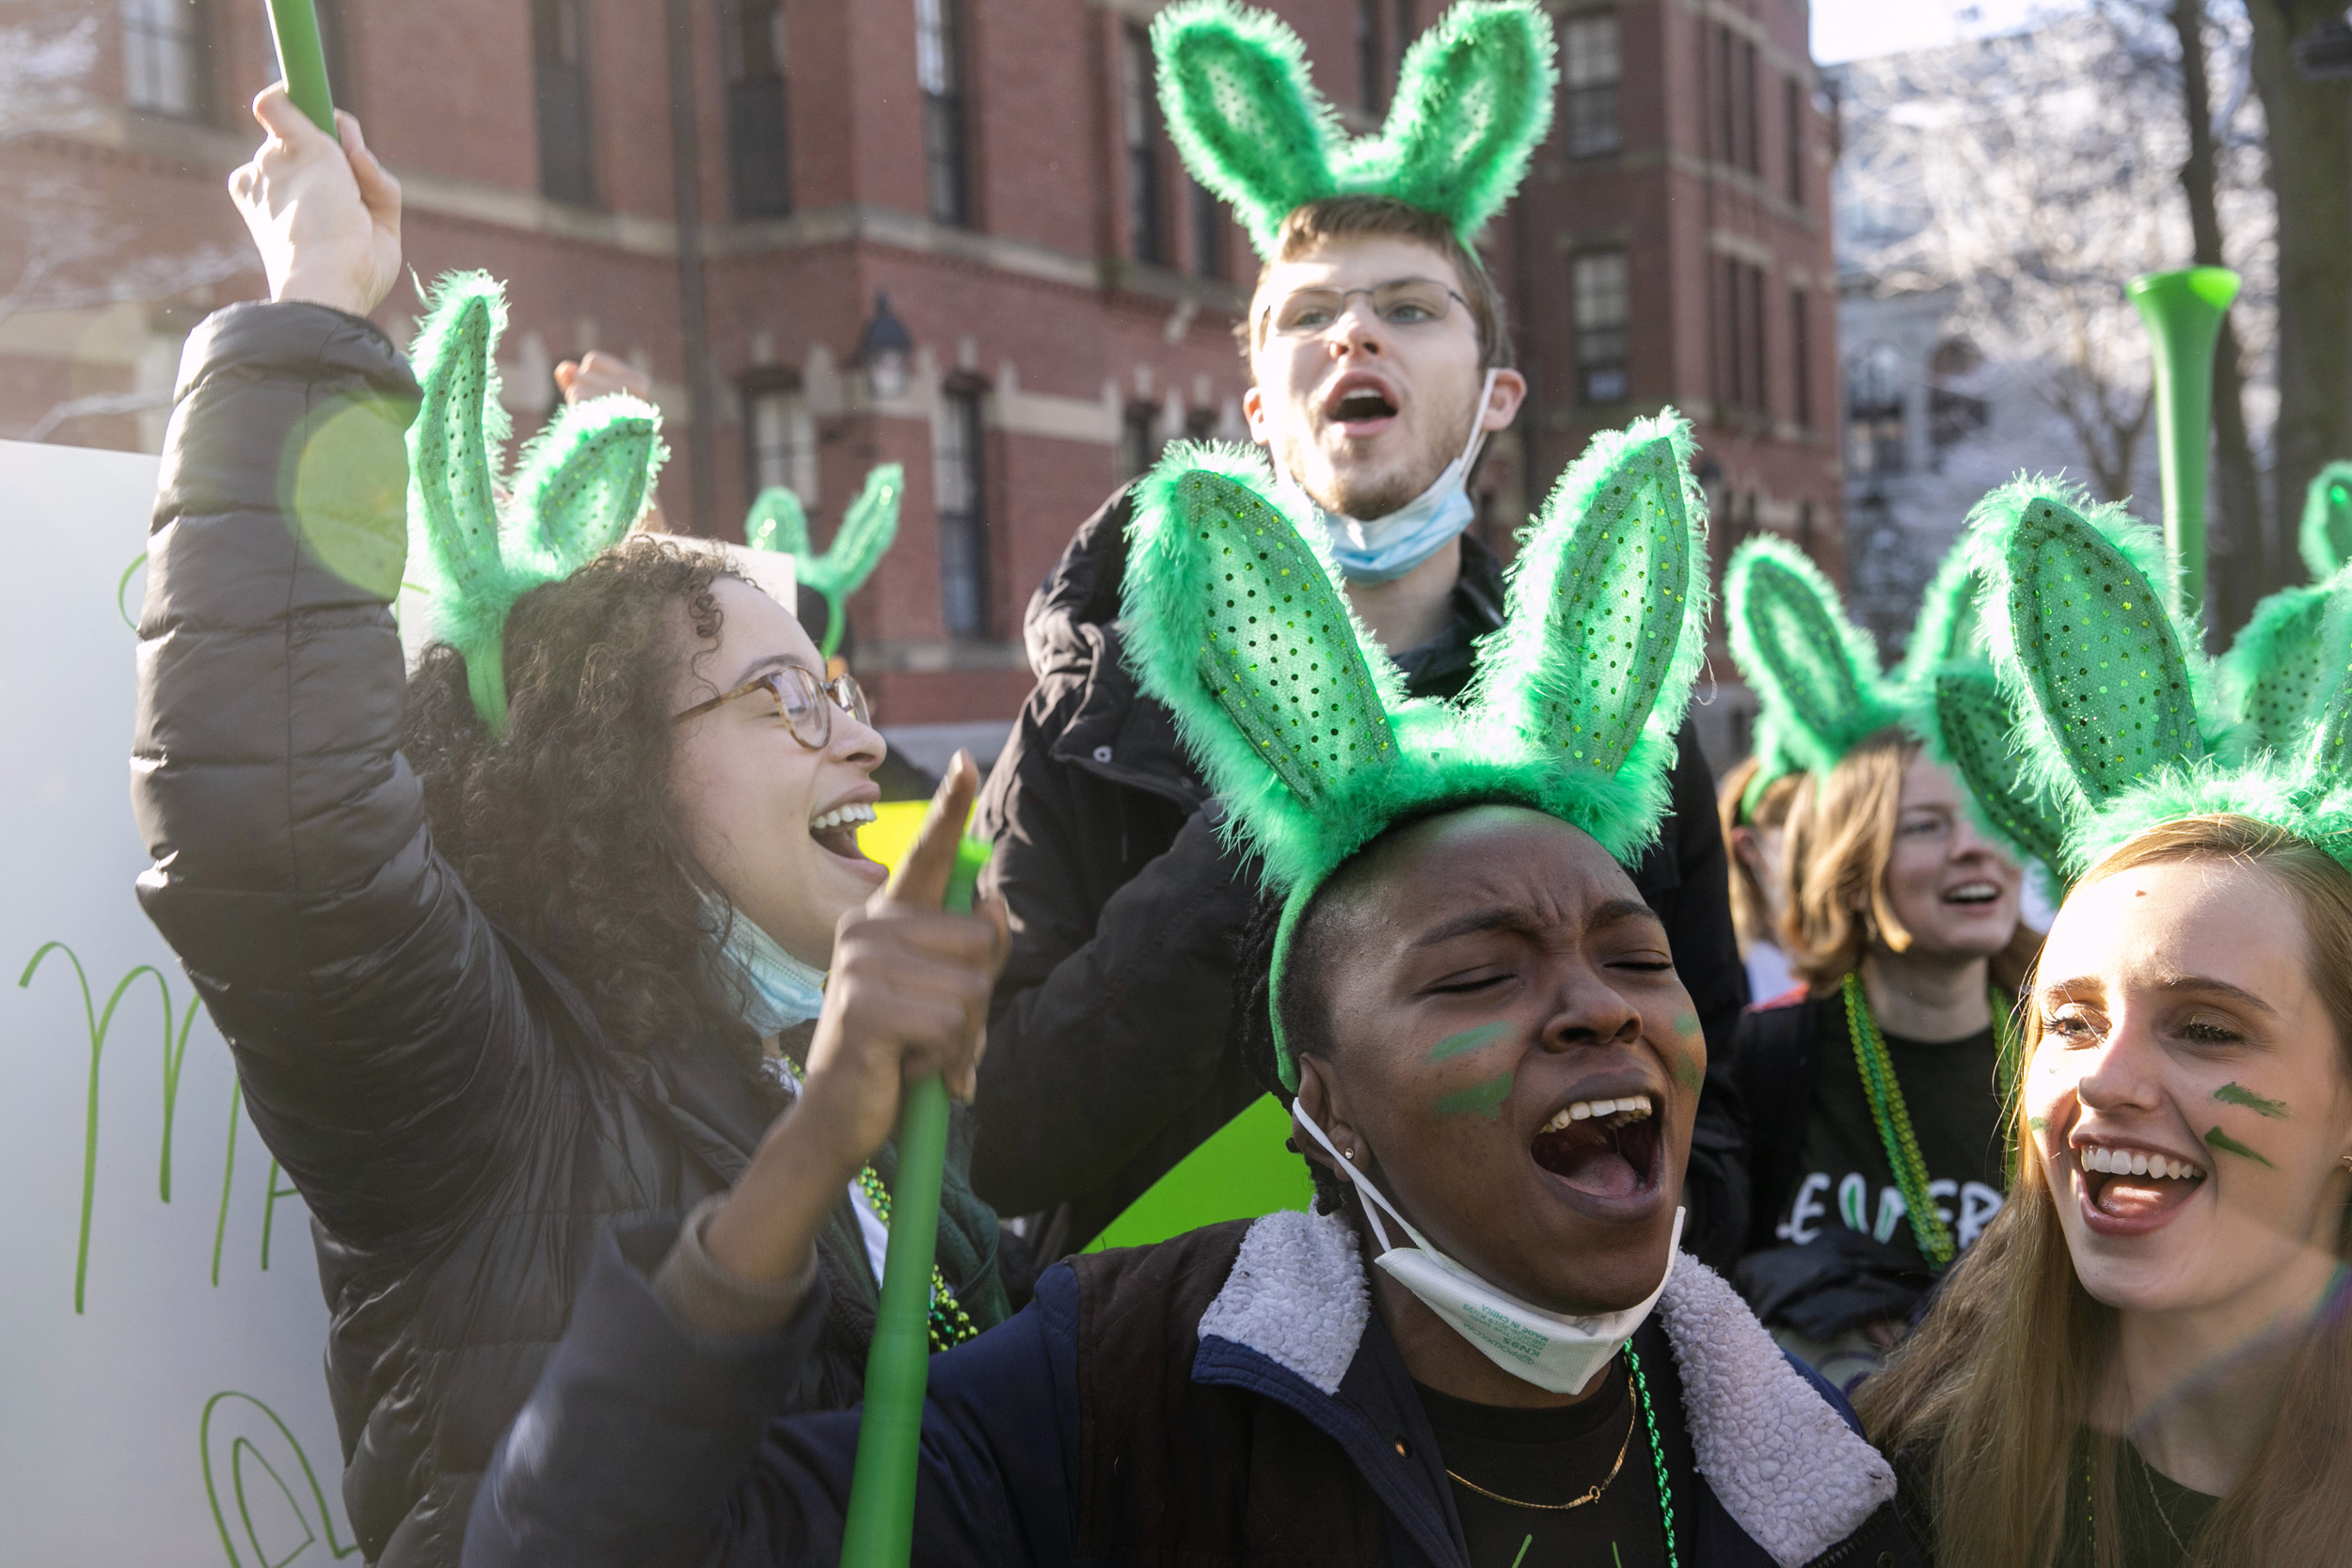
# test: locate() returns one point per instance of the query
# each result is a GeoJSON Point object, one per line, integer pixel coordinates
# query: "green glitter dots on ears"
{"type": "Point", "coordinates": [2233, 1094]}
{"type": "Point", "coordinates": [2227, 1144]}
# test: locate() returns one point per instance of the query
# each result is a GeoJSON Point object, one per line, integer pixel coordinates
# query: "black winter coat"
{"type": "Point", "coordinates": [1225, 1399]}
{"type": "Point", "coordinates": [450, 1111]}
{"type": "Point", "coordinates": [1110, 1053]}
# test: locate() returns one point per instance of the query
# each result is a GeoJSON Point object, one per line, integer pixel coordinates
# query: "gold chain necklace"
{"type": "Point", "coordinates": [1591, 1495]}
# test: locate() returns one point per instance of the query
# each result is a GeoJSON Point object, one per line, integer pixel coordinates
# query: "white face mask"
{"type": "Point", "coordinates": [1550, 1350]}
{"type": "Point", "coordinates": [1382, 550]}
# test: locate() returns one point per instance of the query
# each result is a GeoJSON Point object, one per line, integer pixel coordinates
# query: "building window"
{"type": "Point", "coordinates": [559, 39]}
{"type": "Point", "coordinates": [1139, 443]}
{"type": "Point", "coordinates": [1954, 413]}
{"type": "Point", "coordinates": [1200, 424]}
{"type": "Point", "coordinates": [1139, 132]}
{"type": "Point", "coordinates": [1792, 96]}
{"type": "Point", "coordinates": [780, 442]}
{"type": "Point", "coordinates": [163, 57]}
{"type": "Point", "coordinates": [963, 522]}
{"type": "Point", "coordinates": [939, 72]}
{"type": "Point", "coordinates": [1599, 285]}
{"type": "Point", "coordinates": [1800, 353]}
{"type": "Point", "coordinates": [1742, 290]}
{"type": "Point", "coordinates": [1876, 394]}
{"type": "Point", "coordinates": [1589, 75]}
{"type": "Point", "coordinates": [1368, 55]}
{"type": "Point", "coordinates": [751, 52]}
{"type": "Point", "coordinates": [1750, 113]}
{"type": "Point", "coordinates": [1208, 232]}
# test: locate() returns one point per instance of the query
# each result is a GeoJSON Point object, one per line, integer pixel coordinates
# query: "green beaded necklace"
{"type": "Point", "coordinates": [1657, 1455]}
{"type": "Point", "coordinates": [950, 1325]}
{"type": "Point", "coordinates": [1893, 1118]}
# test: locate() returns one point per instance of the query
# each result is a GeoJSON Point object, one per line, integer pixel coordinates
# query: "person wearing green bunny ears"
{"type": "Point", "coordinates": [2147, 1360]}
{"type": "Point", "coordinates": [1483, 1347]}
{"type": "Point", "coordinates": [545, 935]}
{"type": "Point", "coordinates": [1380, 360]}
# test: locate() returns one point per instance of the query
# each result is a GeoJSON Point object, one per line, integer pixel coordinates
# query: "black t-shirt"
{"type": "Point", "coordinates": [1552, 1456]}
{"type": "Point", "coordinates": [1844, 1178]}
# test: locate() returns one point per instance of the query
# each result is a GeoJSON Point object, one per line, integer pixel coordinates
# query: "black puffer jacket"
{"type": "Point", "coordinates": [1109, 1046]}
{"type": "Point", "coordinates": [460, 1127]}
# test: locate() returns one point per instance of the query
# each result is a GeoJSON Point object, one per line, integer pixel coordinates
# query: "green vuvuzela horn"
{"type": "Point", "coordinates": [2184, 311]}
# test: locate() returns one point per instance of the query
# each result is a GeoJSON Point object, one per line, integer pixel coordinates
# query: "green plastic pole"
{"type": "Point", "coordinates": [302, 61]}
{"type": "Point", "coordinates": [2184, 311]}
{"type": "Point", "coordinates": [879, 1530]}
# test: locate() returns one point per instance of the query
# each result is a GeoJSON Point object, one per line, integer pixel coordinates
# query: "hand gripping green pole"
{"type": "Point", "coordinates": [2184, 311]}
{"type": "Point", "coordinates": [880, 1531]}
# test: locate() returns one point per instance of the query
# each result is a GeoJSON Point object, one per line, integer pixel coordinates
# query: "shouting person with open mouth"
{"type": "Point", "coordinates": [2147, 1362]}
{"type": "Point", "coordinates": [1483, 1346]}
{"type": "Point", "coordinates": [534, 937]}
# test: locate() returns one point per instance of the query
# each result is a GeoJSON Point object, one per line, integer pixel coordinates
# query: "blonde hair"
{"type": "Point", "coordinates": [2000, 1378]}
{"type": "Point", "coordinates": [1751, 902]}
{"type": "Point", "coordinates": [1839, 838]}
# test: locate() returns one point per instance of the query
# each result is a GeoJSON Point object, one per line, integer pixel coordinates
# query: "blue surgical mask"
{"type": "Point", "coordinates": [773, 990]}
{"type": "Point", "coordinates": [1382, 550]}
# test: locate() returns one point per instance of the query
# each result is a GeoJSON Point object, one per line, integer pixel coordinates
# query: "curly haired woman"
{"type": "Point", "coordinates": [490, 994]}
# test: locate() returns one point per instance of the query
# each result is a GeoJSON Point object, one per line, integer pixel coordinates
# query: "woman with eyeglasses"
{"type": "Point", "coordinates": [492, 995]}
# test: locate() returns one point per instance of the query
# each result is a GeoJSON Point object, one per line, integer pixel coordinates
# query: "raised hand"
{"type": "Point", "coordinates": [325, 217]}
{"type": "Point", "coordinates": [907, 997]}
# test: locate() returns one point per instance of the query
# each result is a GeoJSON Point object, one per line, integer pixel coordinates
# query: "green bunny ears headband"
{"type": "Point", "coordinates": [1234, 620]}
{"type": "Point", "coordinates": [779, 523]}
{"type": "Point", "coordinates": [1819, 692]}
{"type": "Point", "coordinates": [2119, 711]}
{"type": "Point", "coordinates": [582, 482]}
{"type": "Point", "coordinates": [1473, 99]}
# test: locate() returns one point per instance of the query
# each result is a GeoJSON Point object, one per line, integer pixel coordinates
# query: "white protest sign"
{"type": "Point", "coordinates": [162, 1397]}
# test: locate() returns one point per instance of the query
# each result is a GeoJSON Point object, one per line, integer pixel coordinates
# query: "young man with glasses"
{"type": "Point", "coordinates": [1381, 360]}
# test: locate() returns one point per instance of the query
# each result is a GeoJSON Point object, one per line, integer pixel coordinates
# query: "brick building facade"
{"type": "Point", "coordinates": [950, 233]}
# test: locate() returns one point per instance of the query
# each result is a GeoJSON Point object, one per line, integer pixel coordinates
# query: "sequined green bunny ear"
{"type": "Point", "coordinates": [1949, 628]}
{"type": "Point", "coordinates": [1473, 100]}
{"type": "Point", "coordinates": [778, 522]}
{"type": "Point", "coordinates": [583, 483]}
{"type": "Point", "coordinates": [1813, 672]}
{"type": "Point", "coordinates": [2275, 667]}
{"type": "Point", "coordinates": [1967, 722]}
{"type": "Point", "coordinates": [2326, 534]}
{"type": "Point", "coordinates": [1604, 631]}
{"type": "Point", "coordinates": [1233, 619]}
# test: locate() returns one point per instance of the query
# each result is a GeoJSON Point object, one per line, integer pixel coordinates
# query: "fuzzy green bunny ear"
{"type": "Point", "coordinates": [1815, 672]}
{"type": "Point", "coordinates": [454, 445]}
{"type": "Point", "coordinates": [1473, 100]}
{"type": "Point", "coordinates": [1968, 722]}
{"type": "Point", "coordinates": [2327, 529]}
{"type": "Point", "coordinates": [1232, 619]}
{"type": "Point", "coordinates": [584, 481]}
{"type": "Point", "coordinates": [2086, 640]}
{"type": "Point", "coordinates": [2275, 667]}
{"type": "Point", "coordinates": [1243, 112]}
{"type": "Point", "coordinates": [1950, 627]}
{"type": "Point", "coordinates": [778, 522]}
{"type": "Point", "coordinates": [1604, 629]}
{"type": "Point", "coordinates": [863, 538]}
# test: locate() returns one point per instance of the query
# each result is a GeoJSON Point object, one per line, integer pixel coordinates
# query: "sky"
{"type": "Point", "coordinates": [1857, 29]}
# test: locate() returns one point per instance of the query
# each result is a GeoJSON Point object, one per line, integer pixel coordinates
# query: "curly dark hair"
{"type": "Point", "coordinates": [564, 831]}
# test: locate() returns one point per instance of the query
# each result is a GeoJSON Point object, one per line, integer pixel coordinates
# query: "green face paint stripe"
{"type": "Point", "coordinates": [2038, 1123]}
{"type": "Point", "coordinates": [2232, 1094]}
{"type": "Point", "coordinates": [1688, 1073]}
{"type": "Point", "coordinates": [1468, 1040]}
{"type": "Point", "coordinates": [2228, 1145]}
{"type": "Point", "coordinates": [1686, 1024]}
{"type": "Point", "coordinates": [1485, 1097]}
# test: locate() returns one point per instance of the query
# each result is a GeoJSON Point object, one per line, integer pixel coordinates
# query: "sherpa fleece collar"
{"type": "Point", "coordinates": [1783, 1462]}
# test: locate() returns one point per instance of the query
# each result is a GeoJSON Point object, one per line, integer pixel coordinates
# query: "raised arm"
{"type": "Point", "coordinates": [294, 873]}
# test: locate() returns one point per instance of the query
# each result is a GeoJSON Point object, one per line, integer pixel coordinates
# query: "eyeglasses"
{"type": "Point", "coordinates": [804, 703]}
{"type": "Point", "coordinates": [1406, 302]}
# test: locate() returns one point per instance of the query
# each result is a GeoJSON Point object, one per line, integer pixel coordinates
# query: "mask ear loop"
{"type": "Point", "coordinates": [1361, 1184]}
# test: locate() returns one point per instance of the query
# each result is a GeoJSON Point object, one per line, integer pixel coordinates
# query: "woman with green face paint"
{"type": "Point", "coordinates": [2147, 1362]}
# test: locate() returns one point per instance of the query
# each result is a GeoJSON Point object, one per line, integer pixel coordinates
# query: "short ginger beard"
{"type": "Point", "coordinates": [1350, 492]}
